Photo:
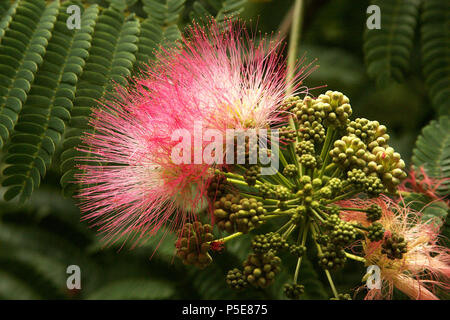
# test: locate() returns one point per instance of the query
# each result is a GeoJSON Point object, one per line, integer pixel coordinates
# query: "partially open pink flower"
{"type": "Point", "coordinates": [222, 79]}
{"type": "Point", "coordinates": [424, 266]}
{"type": "Point", "coordinates": [418, 181]}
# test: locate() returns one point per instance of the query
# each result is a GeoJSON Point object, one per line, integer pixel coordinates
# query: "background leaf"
{"type": "Point", "coordinates": [432, 151]}
{"type": "Point", "coordinates": [388, 49]}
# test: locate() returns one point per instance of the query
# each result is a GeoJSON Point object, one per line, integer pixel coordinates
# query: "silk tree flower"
{"type": "Point", "coordinates": [238, 77]}
{"type": "Point", "coordinates": [222, 79]}
{"type": "Point", "coordinates": [418, 181]}
{"type": "Point", "coordinates": [422, 268]}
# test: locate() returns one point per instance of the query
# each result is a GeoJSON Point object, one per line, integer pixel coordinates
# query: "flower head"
{"type": "Point", "coordinates": [409, 256]}
{"type": "Point", "coordinates": [132, 184]}
{"type": "Point", "coordinates": [238, 77]}
{"type": "Point", "coordinates": [419, 181]}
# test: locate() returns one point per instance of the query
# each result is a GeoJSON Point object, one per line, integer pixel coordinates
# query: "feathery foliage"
{"type": "Point", "coordinates": [388, 50]}
{"type": "Point", "coordinates": [432, 151]}
{"type": "Point", "coordinates": [435, 33]}
{"type": "Point", "coordinates": [41, 122]}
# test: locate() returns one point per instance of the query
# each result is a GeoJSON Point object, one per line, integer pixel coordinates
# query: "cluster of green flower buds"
{"type": "Point", "coordinates": [342, 233]}
{"type": "Point", "coordinates": [369, 183]}
{"type": "Point", "coordinates": [388, 165]}
{"type": "Point", "coordinates": [373, 212]}
{"type": "Point", "coordinates": [335, 184]}
{"type": "Point", "coordinates": [297, 250]}
{"type": "Point", "coordinates": [290, 171]}
{"type": "Point", "coordinates": [236, 279]}
{"type": "Point", "coordinates": [380, 138]}
{"type": "Point", "coordinates": [305, 147]}
{"type": "Point", "coordinates": [293, 291]}
{"type": "Point", "coordinates": [260, 269]}
{"type": "Point", "coordinates": [287, 134]}
{"type": "Point", "coordinates": [194, 243]}
{"type": "Point", "coordinates": [394, 246]}
{"type": "Point", "coordinates": [313, 131]}
{"type": "Point", "coordinates": [262, 243]}
{"type": "Point", "coordinates": [336, 107]}
{"type": "Point", "coordinates": [349, 151]}
{"type": "Point", "coordinates": [362, 128]}
{"type": "Point", "coordinates": [233, 213]}
{"type": "Point", "coordinates": [245, 146]}
{"type": "Point", "coordinates": [217, 186]}
{"type": "Point", "coordinates": [278, 192]}
{"type": "Point", "coordinates": [332, 257]}
{"type": "Point", "coordinates": [309, 161]}
{"type": "Point", "coordinates": [251, 174]}
{"type": "Point", "coordinates": [376, 232]}
{"type": "Point", "coordinates": [308, 110]}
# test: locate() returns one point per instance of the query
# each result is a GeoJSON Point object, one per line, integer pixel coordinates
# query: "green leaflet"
{"type": "Point", "coordinates": [41, 123]}
{"type": "Point", "coordinates": [202, 9]}
{"type": "Point", "coordinates": [435, 35]}
{"type": "Point", "coordinates": [387, 50]}
{"type": "Point", "coordinates": [164, 12]}
{"type": "Point", "coordinates": [22, 53]}
{"type": "Point", "coordinates": [432, 151]}
{"type": "Point", "coordinates": [6, 16]}
{"type": "Point", "coordinates": [159, 29]}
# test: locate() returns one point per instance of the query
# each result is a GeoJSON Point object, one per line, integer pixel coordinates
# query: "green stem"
{"type": "Point", "coordinates": [355, 257]}
{"type": "Point", "coordinates": [317, 215]}
{"type": "Point", "coordinates": [360, 227]}
{"type": "Point", "coordinates": [238, 182]}
{"type": "Point", "coordinates": [292, 147]}
{"type": "Point", "coordinates": [285, 163]}
{"type": "Point", "coordinates": [299, 261]}
{"type": "Point", "coordinates": [284, 180]}
{"type": "Point", "coordinates": [345, 195]}
{"type": "Point", "coordinates": [330, 167]}
{"type": "Point", "coordinates": [325, 154]}
{"type": "Point", "coordinates": [294, 40]}
{"type": "Point", "coordinates": [286, 225]}
{"type": "Point", "coordinates": [330, 280]}
{"type": "Point", "coordinates": [268, 217]}
{"type": "Point", "coordinates": [326, 145]}
{"type": "Point", "coordinates": [295, 200]}
{"type": "Point", "coordinates": [227, 238]}
{"type": "Point", "coordinates": [235, 176]}
{"type": "Point", "coordinates": [282, 158]}
{"type": "Point", "coordinates": [289, 231]}
{"type": "Point", "coordinates": [336, 172]}
{"type": "Point", "coordinates": [261, 178]}
{"type": "Point", "coordinates": [404, 193]}
{"type": "Point", "coordinates": [266, 201]}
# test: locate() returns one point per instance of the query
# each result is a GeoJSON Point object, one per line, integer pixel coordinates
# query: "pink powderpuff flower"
{"type": "Point", "coordinates": [238, 77]}
{"type": "Point", "coordinates": [222, 79]}
{"type": "Point", "coordinates": [418, 181]}
{"type": "Point", "coordinates": [425, 265]}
